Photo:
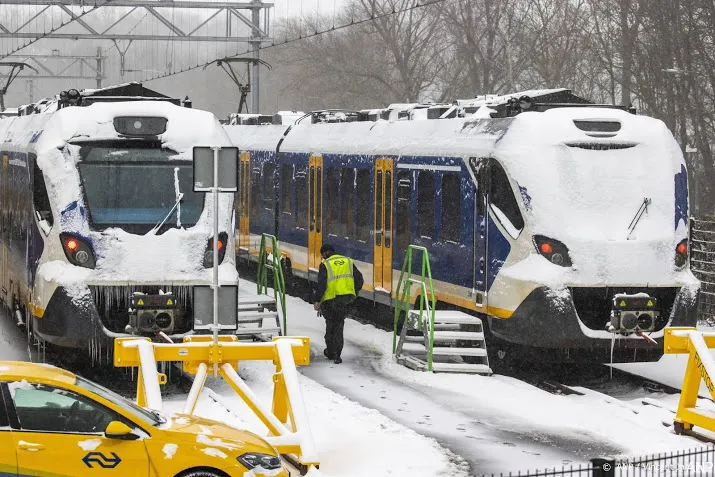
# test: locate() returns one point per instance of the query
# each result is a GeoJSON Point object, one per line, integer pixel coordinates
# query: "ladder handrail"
{"type": "Point", "coordinates": [278, 278]}
{"type": "Point", "coordinates": [403, 297]}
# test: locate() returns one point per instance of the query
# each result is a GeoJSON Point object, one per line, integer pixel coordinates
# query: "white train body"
{"type": "Point", "coordinates": [86, 191]}
{"type": "Point", "coordinates": [575, 177]}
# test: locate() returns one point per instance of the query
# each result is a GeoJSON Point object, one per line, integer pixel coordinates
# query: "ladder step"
{"type": "Point", "coordinates": [245, 317]}
{"type": "Point", "coordinates": [461, 368]}
{"type": "Point", "coordinates": [449, 317]}
{"type": "Point", "coordinates": [446, 351]}
{"type": "Point", "coordinates": [255, 300]}
{"type": "Point", "coordinates": [458, 335]}
{"type": "Point", "coordinates": [414, 339]}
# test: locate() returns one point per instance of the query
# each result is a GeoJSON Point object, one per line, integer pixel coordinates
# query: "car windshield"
{"type": "Point", "coordinates": [136, 186]}
{"type": "Point", "coordinates": [136, 411]}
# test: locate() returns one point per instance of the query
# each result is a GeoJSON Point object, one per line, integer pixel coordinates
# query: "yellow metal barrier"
{"type": "Point", "coordinates": [701, 366]}
{"type": "Point", "coordinates": [287, 420]}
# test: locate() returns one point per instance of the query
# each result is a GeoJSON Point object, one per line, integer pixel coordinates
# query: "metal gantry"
{"type": "Point", "coordinates": [59, 66]}
{"type": "Point", "coordinates": [224, 22]}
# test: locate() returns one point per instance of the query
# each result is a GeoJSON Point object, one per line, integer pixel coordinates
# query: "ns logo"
{"type": "Point", "coordinates": [101, 460]}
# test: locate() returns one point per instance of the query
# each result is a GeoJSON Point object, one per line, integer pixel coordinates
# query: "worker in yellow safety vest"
{"type": "Point", "coordinates": [339, 282]}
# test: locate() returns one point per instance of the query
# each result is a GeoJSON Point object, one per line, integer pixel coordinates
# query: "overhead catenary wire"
{"type": "Point", "coordinates": [316, 33]}
{"type": "Point", "coordinates": [52, 30]}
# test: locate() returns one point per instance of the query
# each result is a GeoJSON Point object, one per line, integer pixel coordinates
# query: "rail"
{"type": "Point", "coordinates": [279, 285]}
{"type": "Point", "coordinates": [404, 288]}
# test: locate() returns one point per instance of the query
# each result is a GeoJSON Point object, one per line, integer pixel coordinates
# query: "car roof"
{"type": "Point", "coordinates": [37, 372]}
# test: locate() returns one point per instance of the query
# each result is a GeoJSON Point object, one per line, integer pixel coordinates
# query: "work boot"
{"type": "Point", "coordinates": [338, 360]}
{"type": "Point", "coordinates": [327, 355]}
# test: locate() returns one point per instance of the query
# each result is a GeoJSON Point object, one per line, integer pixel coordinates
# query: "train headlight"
{"type": "Point", "coordinates": [209, 253]}
{"type": "Point", "coordinates": [77, 250]}
{"type": "Point", "coordinates": [681, 253]}
{"type": "Point", "coordinates": [553, 250]}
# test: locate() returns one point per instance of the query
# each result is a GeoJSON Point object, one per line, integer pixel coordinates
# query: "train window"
{"type": "Point", "coordinates": [451, 208]}
{"type": "Point", "coordinates": [255, 191]}
{"type": "Point", "coordinates": [301, 197]}
{"type": "Point", "coordinates": [41, 199]}
{"type": "Point", "coordinates": [286, 187]}
{"type": "Point", "coordinates": [404, 212]}
{"type": "Point", "coordinates": [503, 200]}
{"type": "Point", "coordinates": [268, 185]}
{"type": "Point", "coordinates": [347, 203]}
{"type": "Point", "coordinates": [363, 182]}
{"type": "Point", "coordinates": [425, 204]}
{"type": "Point", "coordinates": [332, 206]}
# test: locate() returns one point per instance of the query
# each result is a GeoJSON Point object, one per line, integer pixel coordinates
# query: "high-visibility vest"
{"type": "Point", "coordinates": [340, 277]}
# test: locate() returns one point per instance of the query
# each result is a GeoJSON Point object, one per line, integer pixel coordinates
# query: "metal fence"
{"type": "Point", "coordinates": [702, 262]}
{"type": "Point", "coordinates": [695, 462]}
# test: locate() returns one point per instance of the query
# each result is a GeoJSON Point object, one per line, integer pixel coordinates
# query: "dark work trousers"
{"type": "Point", "coordinates": [334, 312]}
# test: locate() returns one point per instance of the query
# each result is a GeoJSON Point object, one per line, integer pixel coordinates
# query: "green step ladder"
{"type": "Point", "coordinates": [253, 309]}
{"type": "Point", "coordinates": [430, 339]}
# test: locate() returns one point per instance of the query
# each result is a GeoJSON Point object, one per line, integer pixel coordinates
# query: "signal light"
{"type": "Point", "coordinates": [681, 253]}
{"type": "Point", "coordinates": [77, 250]}
{"type": "Point", "coordinates": [209, 253]}
{"type": "Point", "coordinates": [553, 250]}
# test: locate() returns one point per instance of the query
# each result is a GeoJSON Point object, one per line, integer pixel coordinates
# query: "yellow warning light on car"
{"type": "Point", "coordinates": [140, 302]}
{"type": "Point", "coordinates": [623, 303]}
{"type": "Point", "coordinates": [650, 303]}
{"type": "Point", "coordinates": [169, 302]}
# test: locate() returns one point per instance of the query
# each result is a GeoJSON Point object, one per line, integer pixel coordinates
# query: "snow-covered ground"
{"type": "Point", "coordinates": [372, 417]}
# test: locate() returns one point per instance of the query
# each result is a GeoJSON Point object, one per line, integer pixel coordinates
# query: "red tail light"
{"type": "Point", "coordinates": [553, 250]}
{"type": "Point", "coordinates": [681, 253]}
{"type": "Point", "coordinates": [209, 253]}
{"type": "Point", "coordinates": [77, 250]}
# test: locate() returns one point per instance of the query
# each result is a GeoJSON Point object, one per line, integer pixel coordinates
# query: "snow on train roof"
{"type": "Point", "coordinates": [186, 127]}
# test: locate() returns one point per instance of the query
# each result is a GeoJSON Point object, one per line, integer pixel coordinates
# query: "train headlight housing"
{"type": "Point", "coordinates": [256, 460]}
{"type": "Point", "coordinates": [681, 253]}
{"type": "Point", "coordinates": [553, 250]}
{"type": "Point", "coordinates": [77, 250]}
{"type": "Point", "coordinates": [209, 253]}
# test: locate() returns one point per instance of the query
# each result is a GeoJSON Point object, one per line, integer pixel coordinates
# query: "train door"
{"type": "Point", "coordinates": [315, 211]}
{"type": "Point", "coordinates": [244, 197]}
{"type": "Point", "coordinates": [480, 169]}
{"type": "Point", "coordinates": [382, 266]}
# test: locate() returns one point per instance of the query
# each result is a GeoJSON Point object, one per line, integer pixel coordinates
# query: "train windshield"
{"type": "Point", "coordinates": [137, 187]}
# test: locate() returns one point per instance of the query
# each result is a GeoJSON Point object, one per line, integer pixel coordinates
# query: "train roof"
{"type": "Point", "coordinates": [459, 136]}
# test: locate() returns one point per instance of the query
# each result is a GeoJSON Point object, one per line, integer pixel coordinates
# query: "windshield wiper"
{"type": "Point", "coordinates": [158, 226]}
{"type": "Point", "coordinates": [641, 210]}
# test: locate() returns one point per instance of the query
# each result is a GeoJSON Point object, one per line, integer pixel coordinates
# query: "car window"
{"type": "Point", "coordinates": [118, 400]}
{"type": "Point", "coordinates": [49, 409]}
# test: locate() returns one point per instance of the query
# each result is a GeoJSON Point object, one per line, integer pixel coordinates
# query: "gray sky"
{"type": "Point", "coordinates": [285, 8]}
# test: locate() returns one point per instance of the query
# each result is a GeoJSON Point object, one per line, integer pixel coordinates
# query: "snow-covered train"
{"type": "Point", "coordinates": [102, 232]}
{"type": "Point", "coordinates": [564, 224]}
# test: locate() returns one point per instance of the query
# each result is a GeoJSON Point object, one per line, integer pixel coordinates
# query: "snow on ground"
{"type": "Point", "coordinates": [13, 342]}
{"type": "Point", "coordinates": [496, 423]}
{"type": "Point", "coordinates": [352, 441]}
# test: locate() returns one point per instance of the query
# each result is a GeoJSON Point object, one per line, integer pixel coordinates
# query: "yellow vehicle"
{"type": "Point", "coordinates": [54, 423]}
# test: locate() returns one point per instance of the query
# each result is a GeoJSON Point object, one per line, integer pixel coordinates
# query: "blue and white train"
{"type": "Point", "coordinates": [102, 234]}
{"type": "Point", "coordinates": [564, 224]}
